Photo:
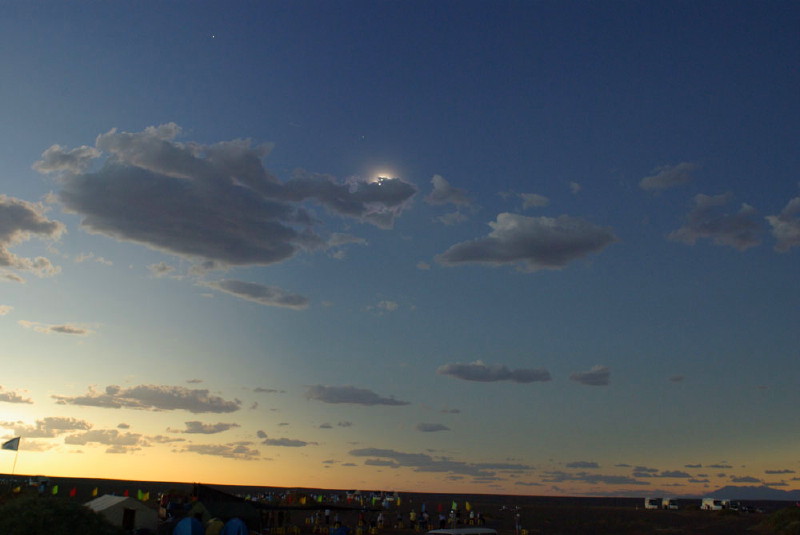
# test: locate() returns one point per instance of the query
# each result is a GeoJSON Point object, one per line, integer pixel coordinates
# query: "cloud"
{"type": "Point", "coordinates": [739, 230]}
{"type": "Point", "coordinates": [431, 428]}
{"type": "Point", "coordinates": [560, 477]}
{"type": "Point", "coordinates": [153, 397]}
{"type": "Point", "coordinates": [422, 462]}
{"type": "Point", "coordinates": [195, 427]}
{"type": "Point", "coordinates": [452, 218]}
{"type": "Point", "coordinates": [444, 193]}
{"type": "Point", "coordinates": [745, 479]}
{"type": "Point", "coordinates": [786, 226]}
{"type": "Point", "coordinates": [668, 177]}
{"type": "Point", "coordinates": [85, 257]}
{"type": "Point", "coordinates": [597, 376]}
{"type": "Point", "coordinates": [117, 442]}
{"type": "Point", "coordinates": [533, 200]}
{"type": "Point", "coordinates": [259, 293]}
{"type": "Point", "coordinates": [385, 306]}
{"type": "Point", "coordinates": [283, 442]}
{"type": "Point", "coordinates": [19, 221]}
{"type": "Point", "coordinates": [64, 328]}
{"type": "Point", "coordinates": [5, 309]}
{"type": "Point", "coordinates": [59, 159]}
{"type": "Point", "coordinates": [160, 269]}
{"type": "Point", "coordinates": [533, 242]}
{"type": "Point", "coordinates": [480, 372]}
{"type": "Point", "coordinates": [349, 394]}
{"type": "Point", "coordinates": [214, 203]}
{"type": "Point", "coordinates": [48, 427]}
{"type": "Point", "coordinates": [575, 188]}
{"type": "Point", "coordinates": [583, 464]}
{"type": "Point", "coordinates": [775, 472]}
{"type": "Point", "coordinates": [674, 474]}
{"type": "Point", "coordinates": [13, 397]}
{"type": "Point", "coordinates": [676, 378]}
{"type": "Point", "coordinates": [233, 450]}
{"type": "Point", "coordinates": [262, 390]}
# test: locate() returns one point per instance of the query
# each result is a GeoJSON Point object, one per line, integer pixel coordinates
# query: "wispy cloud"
{"type": "Point", "coordinates": [48, 427]}
{"type": "Point", "coordinates": [118, 442]}
{"type": "Point", "coordinates": [9, 396]}
{"type": "Point", "coordinates": [532, 243]}
{"type": "Point", "coordinates": [444, 193]}
{"type": "Point", "coordinates": [480, 372]}
{"type": "Point", "coordinates": [349, 394]}
{"type": "Point", "coordinates": [259, 293]}
{"type": "Point", "coordinates": [786, 226]}
{"type": "Point", "coordinates": [597, 376]}
{"type": "Point", "coordinates": [422, 462]}
{"type": "Point", "coordinates": [668, 177]}
{"type": "Point", "coordinates": [431, 428]}
{"type": "Point", "coordinates": [283, 442]}
{"type": "Point", "coordinates": [152, 397]}
{"type": "Point", "coordinates": [234, 450]}
{"type": "Point", "coordinates": [740, 230]}
{"type": "Point", "coordinates": [195, 427]}
{"type": "Point", "coordinates": [64, 328]}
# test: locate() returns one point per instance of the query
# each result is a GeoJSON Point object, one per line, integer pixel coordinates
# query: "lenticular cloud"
{"type": "Point", "coordinates": [214, 203]}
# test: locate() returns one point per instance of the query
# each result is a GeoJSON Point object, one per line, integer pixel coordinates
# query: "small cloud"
{"type": "Point", "coordinates": [531, 243]}
{"type": "Point", "coordinates": [160, 270]}
{"type": "Point", "coordinates": [676, 378]}
{"type": "Point", "coordinates": [739, 230]}
{"type": "Point", "coordinates": [345, 424]}
{"type": "Point", "coordinates": [350, 395]}
{"type": "Point", "coordinates": [452, 218]}
{"type": "Point", "coordinates": [123, 426]}
{"type": "Point", "coordinates": [283, 442]}
{"type": "Point", "coordinates": [745, 479]}
{"type": "Point", "coordinates": [64, 328]}
{"type": "Point", "coordinates": [19, 221]}
{"type": "Point", "coordinates": [431, 428]}
{"type": "Point", "coordinates": [13, 397]}
{"type": "Point", "coordinates": [444, 193]}
{"type": "Point", "coordinates": [575, 188]}
{"type": "Point", "coordinates": [194, 381]}
{"type": "Point", "coordinates": [85, 257]}
{"type": "Point", "coordinates": [423, 266]}
{"type": "Point", "coordinates": [195, 427]}
{"type": "Point", "coordinates": [326, 426]}
{"type": "Point", "coordinates": [5, 309]}
{"type": "Point", "coordinates": [786, 226]}
{"type": "Point", "coordinates": [480, 372]}
{"type": "Point", "coordinates": [259, 293]}
{"type": "Point", "coordinates": [583, 464]}
{"type": "Point", "coordinates": [385, 306]}
{"type": "Point", "coordinates": [234, 450]}
{"type": "Point", "coordinates": [262, 390]}
{"type": "Point", "coordinates": [597, 376]}
{"type": "Point", "coordinates": [668, 177]}
{"type": "Point", "coordinates": [779, 472]}
{"type": "Point", "coordinates": [533, 200]}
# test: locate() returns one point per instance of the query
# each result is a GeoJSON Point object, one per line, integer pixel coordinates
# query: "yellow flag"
{"type": "Point", "coordinates": [17, 490]}
{"type": "Point", "coordinates": [468, 506]}
{"type": "Point", "coordinates": [94, 492]}
{"type": "Point", "coordinates": [146, 496]}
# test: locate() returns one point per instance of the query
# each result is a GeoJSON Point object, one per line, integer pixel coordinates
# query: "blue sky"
{"type": "Point", "coordinates": [511, 247]}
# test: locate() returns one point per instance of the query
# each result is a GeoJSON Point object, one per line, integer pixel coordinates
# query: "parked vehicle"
{"type": "Point", "coordinates": [714, 504]}
{"type": "Point", "coordinates": [669, 503]}
{"type": "Point", "coordinates": [652, 503]}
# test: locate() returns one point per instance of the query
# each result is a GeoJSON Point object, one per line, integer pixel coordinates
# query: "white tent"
{"type": "Point", "coordinates": [125, 512]}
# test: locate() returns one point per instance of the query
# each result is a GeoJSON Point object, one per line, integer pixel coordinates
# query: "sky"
{"type": "Point", "coordinates": [536, 248]}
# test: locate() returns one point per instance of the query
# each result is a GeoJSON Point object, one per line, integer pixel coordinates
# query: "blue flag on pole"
{"type": "Point", "coordinates": [12, 444]}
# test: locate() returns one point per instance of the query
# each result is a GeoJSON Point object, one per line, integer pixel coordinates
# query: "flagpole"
{"type": "Point", "coordinates": [14, 468]}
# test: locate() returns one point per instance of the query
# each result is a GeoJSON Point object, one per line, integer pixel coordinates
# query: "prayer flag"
{"type": "Point", "coordinates": [17, 490]}
{"type": "Point", "coordinates": [12, 444]}
{"type": "Point", "coordinates": [126, 493]}
{"type": "Point", "coordinates": [94, 492]}
{"type": "Point", "coordinates": [146, 496]}
{"type": "Point", "coordinates": [55, 490]}
{"type": "Point", "coordinates": [72, 492]}
{"type": "Point", "coordinates": [468, 506]}
{"type": "Point", "coordinates": [139, 494]}
{"type": "Point", "coordinates": [454, 506]}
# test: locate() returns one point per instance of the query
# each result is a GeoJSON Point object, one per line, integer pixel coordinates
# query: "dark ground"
{"type": "Point", "coordinates": [538, 515]}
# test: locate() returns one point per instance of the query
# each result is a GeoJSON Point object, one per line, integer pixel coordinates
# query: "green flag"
{"type": "Point", "coordinates": [55, 490]}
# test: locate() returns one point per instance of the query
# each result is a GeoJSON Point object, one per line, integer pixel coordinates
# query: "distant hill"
{"type": "Point", "coordinates": [734, 492]}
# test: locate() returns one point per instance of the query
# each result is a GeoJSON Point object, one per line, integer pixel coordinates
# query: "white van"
{"type": "Point", "coordinates": [669, 503]}
{"type": "Point", "coordinates": [652, 503]}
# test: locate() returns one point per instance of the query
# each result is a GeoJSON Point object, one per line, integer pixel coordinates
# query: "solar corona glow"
{"type": "Point", "coordinates": [517, 248]}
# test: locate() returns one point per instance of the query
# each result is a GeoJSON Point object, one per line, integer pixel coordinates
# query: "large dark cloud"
{"type": "Point", "coordinates": [259, 293]}
{"type": "Point", "coordinates": [478, 371]}
{"type": "Point", "coordinates": [534, 243]}
{"type": "Point", "coordinates": [740, 230]}
{"type": "Point", "coordinates": [214, 203]}
{"type": "Point", "coordinates": [349, 394]}
{"type": "Point", "coordinates": [19, 221]}
{"type": "Point", "coordinates": [153, 397]}
{"type": "Point", "coordinates": [786, 226]}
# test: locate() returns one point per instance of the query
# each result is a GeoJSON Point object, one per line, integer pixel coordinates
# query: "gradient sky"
{"type": "Point", "coordinates": [483, 247]}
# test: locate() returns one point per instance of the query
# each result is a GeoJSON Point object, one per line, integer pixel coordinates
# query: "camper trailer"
{"type": "Point", "coordinates": [714, 504]}
{"type": "Point", "coordinates": [669, 503]}
{"type": "Point", "coordinates": [652, 503]}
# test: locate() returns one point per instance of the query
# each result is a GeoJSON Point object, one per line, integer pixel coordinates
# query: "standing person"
{"type": "Point", "coordinates": [327, 517]}
{"type": "Point", "coordinates": [442, 521]}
